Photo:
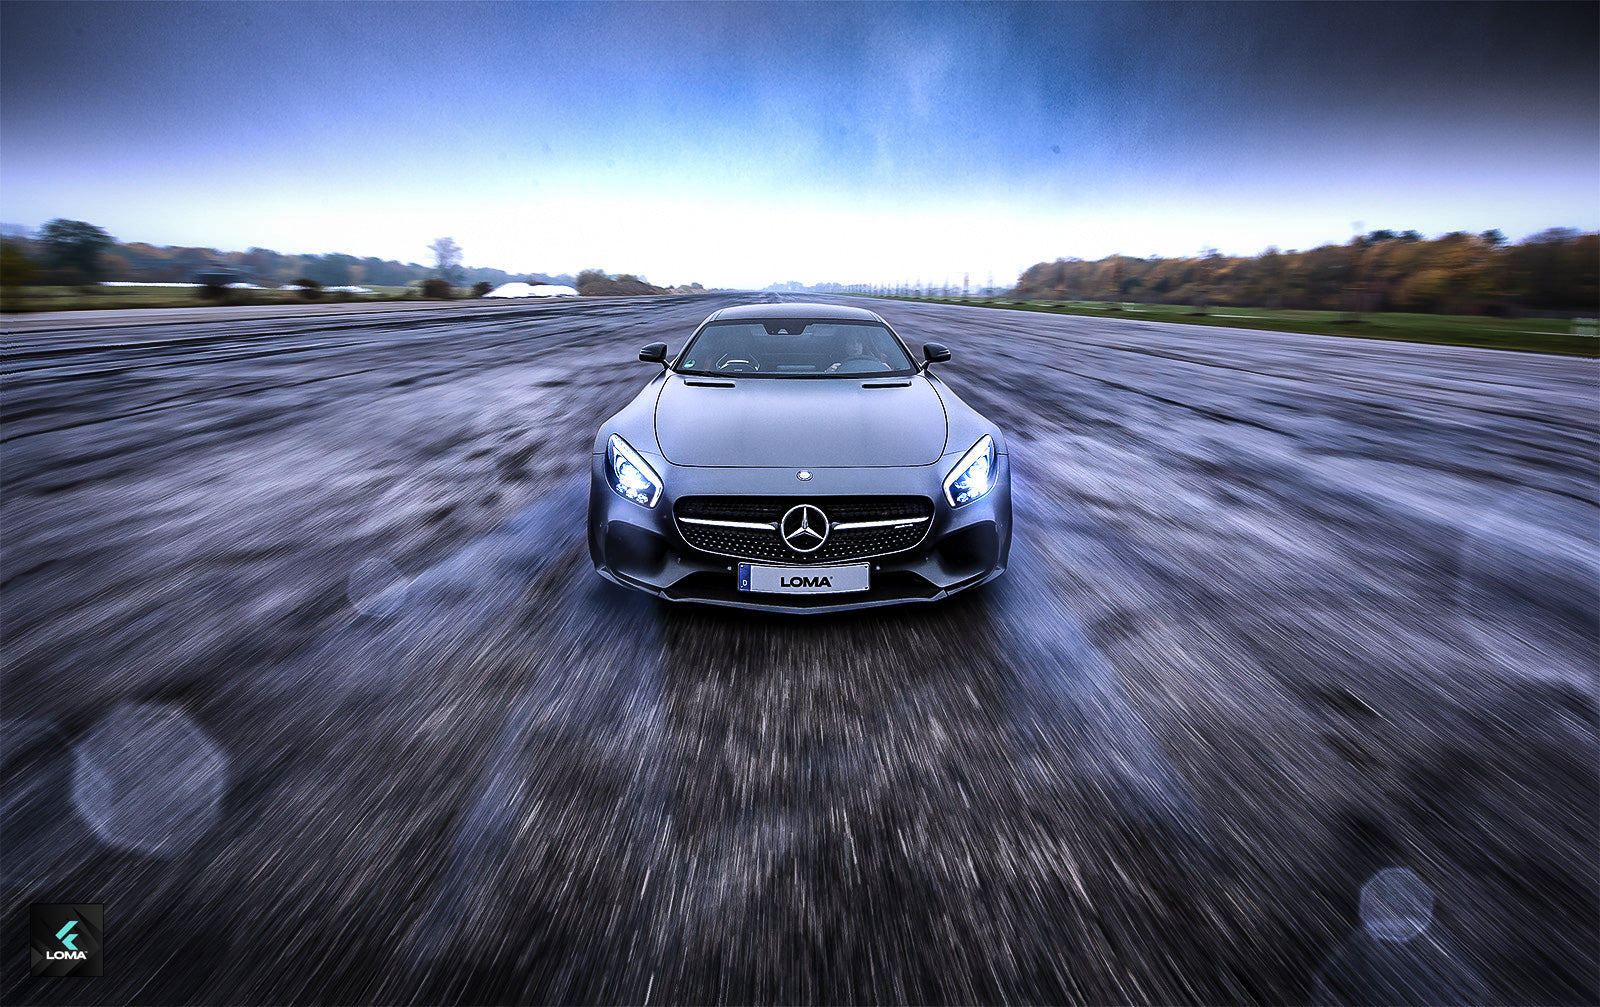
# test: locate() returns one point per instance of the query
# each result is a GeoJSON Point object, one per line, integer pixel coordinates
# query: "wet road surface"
{"type": "Point", "coordinates": [1289, 694]}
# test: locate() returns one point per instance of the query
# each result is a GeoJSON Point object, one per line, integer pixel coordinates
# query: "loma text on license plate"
{"type": "Point", "coordinates": [802, 580]}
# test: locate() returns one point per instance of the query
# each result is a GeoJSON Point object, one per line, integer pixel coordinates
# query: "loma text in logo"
{"type": "Point", "coordinates": [804, 582]}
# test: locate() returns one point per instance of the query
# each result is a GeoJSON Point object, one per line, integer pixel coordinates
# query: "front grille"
{"type": "Point", "coordinates": [766, 544]}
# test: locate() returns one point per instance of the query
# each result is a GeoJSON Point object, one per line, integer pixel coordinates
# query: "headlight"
{"type": "Point", "coordinates": [630, 475]}
{"type": "Point", "coordinates": [973, 475]}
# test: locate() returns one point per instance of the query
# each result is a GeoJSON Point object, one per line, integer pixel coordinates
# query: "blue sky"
{"type": "Point", "coordinates": [741, 144]}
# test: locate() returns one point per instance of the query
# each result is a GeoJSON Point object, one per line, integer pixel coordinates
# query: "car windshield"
{"type": "Point", "coordinates": [796, 348]}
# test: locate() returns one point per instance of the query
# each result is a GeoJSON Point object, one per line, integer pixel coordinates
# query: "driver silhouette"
{"type": "Point", "coordinates": [855, 352]}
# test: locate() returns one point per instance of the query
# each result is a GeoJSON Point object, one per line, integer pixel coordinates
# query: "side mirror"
{"type": "Point", "coordinates": [655, 353]}
{"type": "Point", "coordinates": [935, 353]}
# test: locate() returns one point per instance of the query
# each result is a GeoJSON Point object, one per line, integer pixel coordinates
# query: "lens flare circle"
{"type": "Point", "coordinates": [148, 779]}
{"type": "Point", "coordinates": [1396, 905]}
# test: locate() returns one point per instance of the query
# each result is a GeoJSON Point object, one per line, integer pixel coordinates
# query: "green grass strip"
{"type": "Point", "coordinates": [1533, 335]}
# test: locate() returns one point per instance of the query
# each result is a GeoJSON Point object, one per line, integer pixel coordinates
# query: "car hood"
{"type": "Point", "coordinates": [800, 422]}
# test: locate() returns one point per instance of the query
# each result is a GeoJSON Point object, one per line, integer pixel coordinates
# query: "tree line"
{"type": "Point", "coordinates": [74, 252]}
{"type": "Point", "coordinates": [1457, 273]}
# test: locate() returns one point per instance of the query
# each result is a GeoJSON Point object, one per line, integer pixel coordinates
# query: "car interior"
{"type": "Point", "coordinates": [789, 347]}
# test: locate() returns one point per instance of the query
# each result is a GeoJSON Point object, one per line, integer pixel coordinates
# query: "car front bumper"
{"type": "Point", "coordinates": [644, 548]}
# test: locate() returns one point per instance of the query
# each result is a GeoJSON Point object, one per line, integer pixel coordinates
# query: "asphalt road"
{"type": "Point", "coordinates": [1289, 694]}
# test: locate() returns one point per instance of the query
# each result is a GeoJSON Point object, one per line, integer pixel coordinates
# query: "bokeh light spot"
{"type": "Point", "coordinates": [1396, 905]}
{"type": "Point", "coordinates": [148, 779]}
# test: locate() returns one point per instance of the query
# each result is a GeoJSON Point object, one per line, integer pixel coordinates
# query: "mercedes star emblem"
{"type": "Point", "coordinates": [804, 528]}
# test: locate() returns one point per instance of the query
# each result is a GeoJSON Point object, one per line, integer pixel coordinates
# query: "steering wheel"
{"type": "Point", "coordinates": [738, 365]}
{"type": "Point", "coordinates": [862, 363]}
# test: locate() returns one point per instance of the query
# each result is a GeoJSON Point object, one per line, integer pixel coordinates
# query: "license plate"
{"type": "Point", "coordinates": [802, 580]}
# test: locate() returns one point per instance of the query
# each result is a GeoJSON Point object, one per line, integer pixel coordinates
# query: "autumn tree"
{"type": "Point", "coordinates": [16, 268]}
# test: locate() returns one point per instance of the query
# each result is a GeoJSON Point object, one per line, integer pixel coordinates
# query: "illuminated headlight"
{"type": "Point", "coordinates": [973, 475]}
{"type": "Point", "coordinates": [630, 475]}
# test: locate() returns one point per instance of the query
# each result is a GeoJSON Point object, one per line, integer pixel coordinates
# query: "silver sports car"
{"type": "Point", "coordinates": [795, 457]}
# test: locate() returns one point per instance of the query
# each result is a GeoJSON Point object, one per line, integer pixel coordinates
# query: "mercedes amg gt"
{"type": "Point", "coordinates": [796, 457]}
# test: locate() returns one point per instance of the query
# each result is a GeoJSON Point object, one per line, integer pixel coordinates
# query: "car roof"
{"type": "Point", "coordinates": [795, 309]}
